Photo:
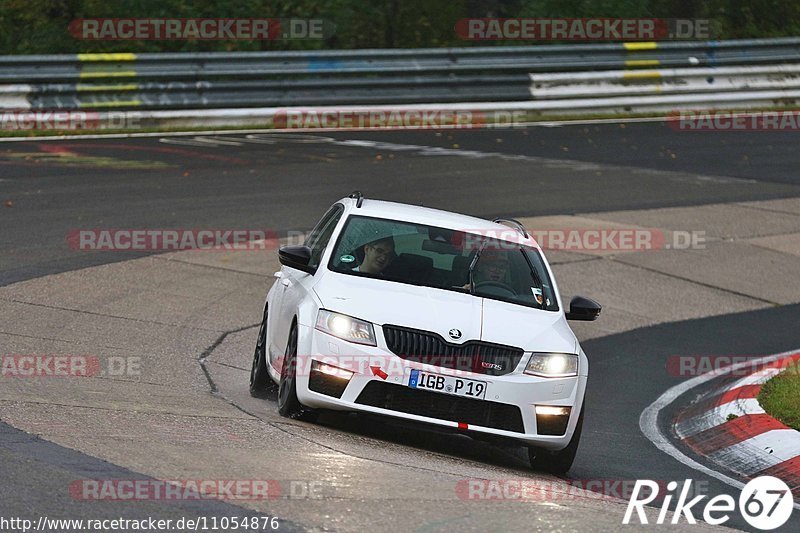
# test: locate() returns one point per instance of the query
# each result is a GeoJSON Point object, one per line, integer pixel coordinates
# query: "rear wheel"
{"type": "Point", "coordinates": [288, 404]}
{"type": "Point", "coordinates": [261, 385]}
{"type": "Point", "coordinates": [561, 461]}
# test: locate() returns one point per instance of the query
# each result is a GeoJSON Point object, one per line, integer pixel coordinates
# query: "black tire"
{"type": "Point", "coordinates": [261, 385]}
{"type": "Point", "coordinates": [561, 461]}
{"type": "Point", "coordinates": [288, 404]}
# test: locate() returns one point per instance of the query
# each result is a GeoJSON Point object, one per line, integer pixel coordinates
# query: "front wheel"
{"type": "Point", "coordinates": [288, 404]}
{"type": "Point", "coordinates": [561, 461]}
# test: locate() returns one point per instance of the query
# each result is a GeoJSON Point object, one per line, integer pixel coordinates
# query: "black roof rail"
{"type": "Point", "coordinates": [358, 197]}
{"type": "Point", "coordinates": [514, 222]}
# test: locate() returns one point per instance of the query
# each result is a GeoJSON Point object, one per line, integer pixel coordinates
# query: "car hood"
{"type": "Point", "coordinates": [531, 329]}
{"type": "Point", "coordinates": [425, 308]}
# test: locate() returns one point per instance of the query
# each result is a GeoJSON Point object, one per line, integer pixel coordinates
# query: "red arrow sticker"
{"type": "Point", "coordinates": [376, 371]}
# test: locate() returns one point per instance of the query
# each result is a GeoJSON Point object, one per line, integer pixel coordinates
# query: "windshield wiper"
{"type": "Point", "coordinates": [472, 267]}
{"type": "Point", "coordinates": [535, 275]}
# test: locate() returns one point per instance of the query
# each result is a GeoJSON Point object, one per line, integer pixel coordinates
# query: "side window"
{"type": "Point", "coordinates": [320, 236]}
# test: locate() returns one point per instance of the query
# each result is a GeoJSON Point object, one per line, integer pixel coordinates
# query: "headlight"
{"type": "Point", "coordinates": [553, 365]}
{"type": "Point", "coordinates": [346, 327]}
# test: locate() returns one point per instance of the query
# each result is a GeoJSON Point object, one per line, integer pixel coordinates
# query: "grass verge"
{"type": "Point", "coordinates": [780, 396]}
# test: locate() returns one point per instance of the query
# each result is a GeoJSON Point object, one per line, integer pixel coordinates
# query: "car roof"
{"type": "Point", "coordinates": [435, 217]}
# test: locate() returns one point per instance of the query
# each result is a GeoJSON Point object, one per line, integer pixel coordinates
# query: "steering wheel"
{"type": "Point", "coordinates": [503, 289]}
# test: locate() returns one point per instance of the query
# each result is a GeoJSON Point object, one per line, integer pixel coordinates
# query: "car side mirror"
{"type": "Point", "coordinates": [581, 308]}
{"type": "Point", "coordinates": [296, 257]}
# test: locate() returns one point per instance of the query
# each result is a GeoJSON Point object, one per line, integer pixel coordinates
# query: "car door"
{"type": "Point", "coordinates": [297, 284]}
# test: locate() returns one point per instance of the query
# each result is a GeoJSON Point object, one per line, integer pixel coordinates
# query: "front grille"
{"type": "Point", "coordinates": [472, 356]}
{"type": "Point", "coordinates": [442, 406]}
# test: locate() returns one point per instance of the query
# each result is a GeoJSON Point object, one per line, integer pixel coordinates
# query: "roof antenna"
{"type": "Point", "coordinates": [358, 197]}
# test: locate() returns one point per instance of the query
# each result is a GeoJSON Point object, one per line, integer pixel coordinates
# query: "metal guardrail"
{"type": "Point", "coordinates": [587, 72]}
{"type": "Point", "coordinates": [664, 81]}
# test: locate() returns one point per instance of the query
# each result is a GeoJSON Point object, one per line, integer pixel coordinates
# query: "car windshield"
{"type": "Point", "coordinates": [463, 261]}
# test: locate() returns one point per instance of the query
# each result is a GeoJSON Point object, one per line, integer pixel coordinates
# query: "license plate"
{"type": "Point", "coordinates": [469, 388]}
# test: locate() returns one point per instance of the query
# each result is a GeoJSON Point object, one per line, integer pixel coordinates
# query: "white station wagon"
{"type": "Point", "coordinates": [431, 316]}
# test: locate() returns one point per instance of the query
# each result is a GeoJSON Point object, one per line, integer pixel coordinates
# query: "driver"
{"type": "Point", "coordinates": [492, 265]}
{"type": "Point", "coordinates": [377, 256]}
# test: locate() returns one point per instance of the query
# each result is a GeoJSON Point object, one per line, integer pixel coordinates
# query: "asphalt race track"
{"type": "Point", "coordinates": [738, 297]}
{"type": "Point", "coordinates": [58, 185]}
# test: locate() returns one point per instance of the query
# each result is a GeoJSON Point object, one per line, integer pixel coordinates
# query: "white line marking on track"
{"type": "Point", "coordinates": [648, 421]}
{"type": "Point", "coordinates": [757, 378]}
{"type": "Point", "coordinates": [220, 138]}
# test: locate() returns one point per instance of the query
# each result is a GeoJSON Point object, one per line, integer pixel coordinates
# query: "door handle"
{"type": "Point", "coordinates": [286, 282]}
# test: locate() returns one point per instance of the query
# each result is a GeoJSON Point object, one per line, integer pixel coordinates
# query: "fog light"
{"type": "Point", "coordinates": [552, 410]}
{"type": "Point", "coordinates": [331, 370]}
{"type": "Point", "coordinates": [552, 419]}
{"type": "Point", "coordinates": [328, 379]}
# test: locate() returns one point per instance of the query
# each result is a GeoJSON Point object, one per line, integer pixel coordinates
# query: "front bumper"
{"type": "Point", "coordinates": [379, 385]}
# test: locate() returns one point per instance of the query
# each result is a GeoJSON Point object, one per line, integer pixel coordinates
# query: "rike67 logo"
{"type": "Point", "coordinates": [766, 503]}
